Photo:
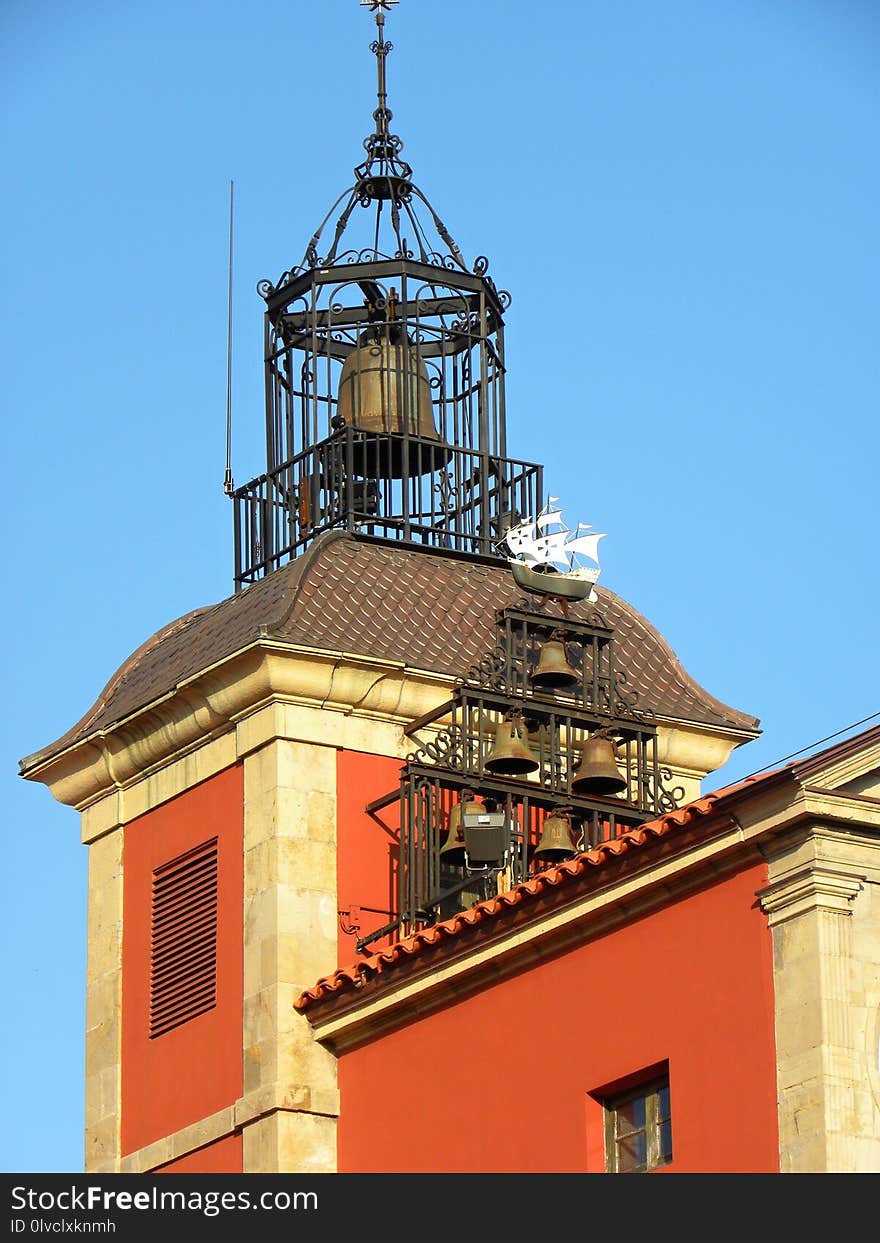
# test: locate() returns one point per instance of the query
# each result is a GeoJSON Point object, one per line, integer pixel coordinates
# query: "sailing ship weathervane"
{"type": "Point", "coordinates": [546, 556]}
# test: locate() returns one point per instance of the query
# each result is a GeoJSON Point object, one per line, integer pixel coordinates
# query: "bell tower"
{"type": "Point", "coordinates": [374, 730]}
{"type": "Point", "coordinates": [384, 373]}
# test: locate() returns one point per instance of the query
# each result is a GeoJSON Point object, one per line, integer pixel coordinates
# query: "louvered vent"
{"type": "Point", "coordinates": [183, 939]}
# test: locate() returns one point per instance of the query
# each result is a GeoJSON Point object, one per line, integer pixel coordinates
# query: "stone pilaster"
{"type": "Point", "coordinates": [290, 934]}
{"type": "Point", "coordinates": [104, 1004]}
{"type": "Point", "coordinates": [821, 905]}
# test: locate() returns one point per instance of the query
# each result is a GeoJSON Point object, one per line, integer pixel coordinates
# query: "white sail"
{"type": "Point", "coordinates": [586, 545]}
{"type": "Point", "coordinates": [519, 537]}
{"type": "Point", "coordinates": [549, 517]}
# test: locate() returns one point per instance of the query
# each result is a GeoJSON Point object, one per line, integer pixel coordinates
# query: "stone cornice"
{"type": "Point", "coordinates": [212, 702]}
{"type": "Point", "coordinates": [217, 698]}
{"type": "Point", "coordinates": [810, 888]}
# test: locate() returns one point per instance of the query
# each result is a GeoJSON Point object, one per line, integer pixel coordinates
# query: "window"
{"type": "Point", "coordinates": [183, 939]}
{"type": "Point", "coordinates": [638, 1129]}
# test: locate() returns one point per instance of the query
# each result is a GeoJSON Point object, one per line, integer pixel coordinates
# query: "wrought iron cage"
{"type": "Point", "coordinates": [431, 468]}
{"type": "Point", "coordinates": [452, 764]}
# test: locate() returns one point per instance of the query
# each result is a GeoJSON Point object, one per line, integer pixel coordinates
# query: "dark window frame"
{"type": "Point", "coordinates": [657, 1152]}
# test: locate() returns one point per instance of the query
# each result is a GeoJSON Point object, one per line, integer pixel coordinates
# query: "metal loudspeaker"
{"type": "Point", "coordinates": [511, 755]}
{"type": "Point", "coordinates": [553, 672]}
{"type": "Point", "coordinates": [598, 772]}
{"type": "Point", "coordinates": [556, 842]}
{"type": "Point", "coordinates": [486, 836]}
{"type": "Point", "coordinates": [453, 849]}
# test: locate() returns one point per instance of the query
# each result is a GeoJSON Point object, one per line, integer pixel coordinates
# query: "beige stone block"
{"type": "Point", "coordinates": [809, 1118]}
{"type": "Point", "coordinates": [306, 814]}
{"type": "Point", "coordinates": [799, 1069]}
{"type": "Point", "coordinates": [288, 1018]}
{"type": "Point", "coordinates": [105, 860]}
{"type": "Point", "coordinates": [286, 1096]}
{"type": "Point", "coordinates": [286, 861]}
{"type": "Point", "coordinates": [865, 1155]}
{"type": "Point", "coordinates": [102, 1095]}
{"type": "Point", "coordinates": [306, 766]}
{"type": "Point", "coordinates": [105, 906]}
{"type": "Point", "coordinates": [103, 994]}
{"type": "Point", "coordinates": [797, 939]}
{"type": "Point", "coordinates": [253, 961]}
{"type": "Point", "coordinates": [306, 1144]}
{"type": "Point", "coordinates": [261, 915]}
{"type": "Point", "coordinates": [290, 1143]}
{"type": "Point", "coordinates": [798, 1025]}
{"type": "Point", "coordinates": [311, 911]}
{"type": "Point", "coordinates": [302, 1060]}
{"type": "Point", "coordinates": [867, 1114]}
{"type": "Point", "coordinates": [297, 962]}
{"type": "Point", "coordinates": [261, 1016]}
{"type": "Point", "coordinates": [102, 1142]}
{"type": "Point", "coordinates": [105, 951]}
{"type": "Point", "coordinates": [102, 817]}
{"type": "Point", "coordinates": [102, 1046]}
{"type": "Point", "coordinates": [259, 866]}
{"type": "Point", "coordinates": [260, 1065]}
{"type": "Point", "coordinates": [260, 1146]}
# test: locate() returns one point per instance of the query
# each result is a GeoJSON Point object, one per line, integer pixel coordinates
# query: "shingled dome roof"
{"type": "Point", "coordinates": [425, 607]}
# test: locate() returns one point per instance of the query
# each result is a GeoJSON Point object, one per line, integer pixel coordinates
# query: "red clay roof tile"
{"type": "Point", "coordinates": [357, 975]}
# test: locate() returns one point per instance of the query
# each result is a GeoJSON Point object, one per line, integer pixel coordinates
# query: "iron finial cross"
{"type": "Point", "coordinates": [379, 7]}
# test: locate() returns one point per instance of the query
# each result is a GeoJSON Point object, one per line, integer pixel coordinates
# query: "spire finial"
{"type": "Point", "coordinates": [382, 115]}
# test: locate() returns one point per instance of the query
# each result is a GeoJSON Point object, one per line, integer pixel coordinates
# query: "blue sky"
{"type": "Point", "coordinates": [681, 199]}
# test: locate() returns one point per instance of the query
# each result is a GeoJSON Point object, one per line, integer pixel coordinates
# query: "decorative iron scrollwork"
{"type": "Point", "coordinates": [659, 796]}
{"type": "Point", "coordinates": [490, 672]}
{"type": "Point", "coordinates": [445, 749]}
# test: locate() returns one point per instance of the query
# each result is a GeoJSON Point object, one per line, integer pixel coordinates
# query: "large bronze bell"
{"type": "Point", "coordinates": [384, 390]}
{"type": "Point", "coordinates": [598, 772]}
{"type": "Point", "coordinates": [553, 672]}
{"type": "Point", "coordinates": [511, 755]}
{"type": "Point", "coordinates": [453, 849]}
{"type": "Point", "coordinates": [556, 843]}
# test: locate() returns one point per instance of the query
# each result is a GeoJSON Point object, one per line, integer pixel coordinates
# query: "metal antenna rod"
{"type": "Point", "coordinates": [228, 486]}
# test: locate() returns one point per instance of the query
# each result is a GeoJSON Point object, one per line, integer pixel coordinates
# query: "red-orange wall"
{"type": "Point", "coordinates": [222, 1157]}
{"type": "Point", "coordinates": [367, 845]}
{"type": "Point", "coordinates": [195, 1069]}
{"type": "Point", "coordinates": [500, 1082]}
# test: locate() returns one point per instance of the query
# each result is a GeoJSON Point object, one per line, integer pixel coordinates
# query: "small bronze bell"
{"type": "Point", "coordinates": [553, 672]}
{"type": "Point", "coordinates": [555, 844]}
{"type": "Point", "coordinates": [453, 849]}
{"type": "Point", "coordinates": [511, 755]}
{"type": "Point", "coordinates": [597, 772]}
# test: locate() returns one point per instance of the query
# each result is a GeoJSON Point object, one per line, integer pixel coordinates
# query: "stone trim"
{"type": "Point", "coordinates": [293, 1099]}
{"type": "Point", "coordinates": [809, 889]}
{"type": "Point", "coordinates": [103, 1087]}
{"type": "Point", "coordinates": [109, 762]}
{"type": "Point", "coordinates": [822, 910]}
{"type": "Point", "coordinates": [289, 886]}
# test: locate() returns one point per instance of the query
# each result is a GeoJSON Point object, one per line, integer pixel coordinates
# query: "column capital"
{"type": "Point", "coordinates": [809, 888]}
